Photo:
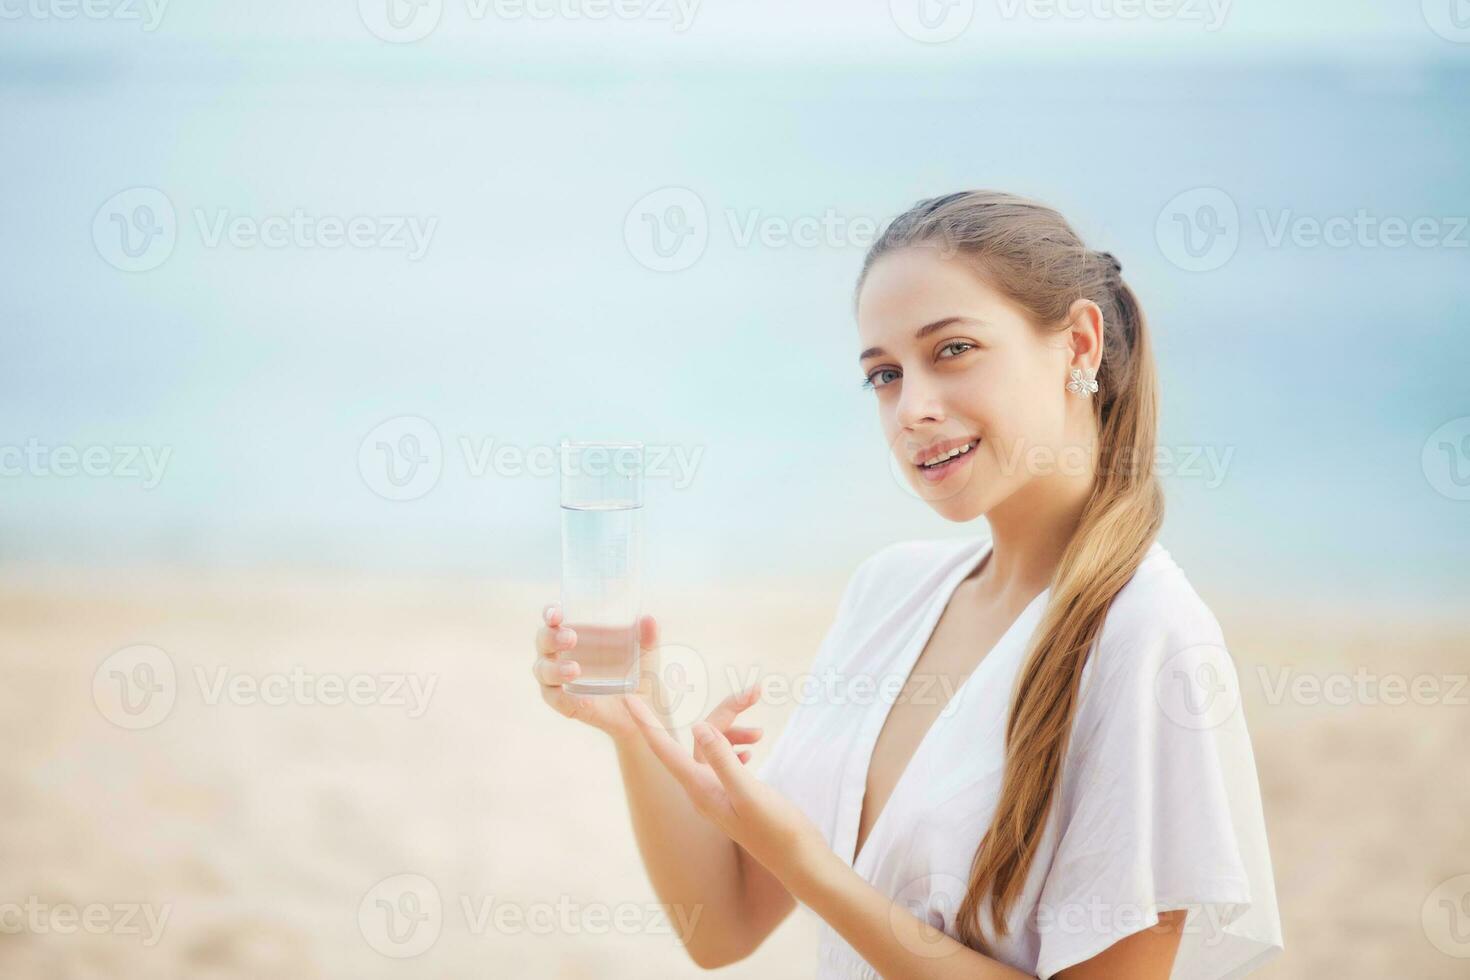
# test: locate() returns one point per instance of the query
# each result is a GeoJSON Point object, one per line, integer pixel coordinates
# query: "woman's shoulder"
{"type": "Point", "coordinates": [922, 555]}
{"type": "Point", "coordinates": [1157, 614]}
{"type": "Point", "coordinates": [897, 569]}
{"type": "Point", "coordinates": [900, 575]}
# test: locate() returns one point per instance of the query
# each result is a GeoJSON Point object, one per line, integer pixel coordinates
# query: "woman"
{"type": "Point", "coordinates": [1076, 796]}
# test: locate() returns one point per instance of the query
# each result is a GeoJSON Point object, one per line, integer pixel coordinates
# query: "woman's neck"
{"type": "Point", "coordinates": [1030, 531]}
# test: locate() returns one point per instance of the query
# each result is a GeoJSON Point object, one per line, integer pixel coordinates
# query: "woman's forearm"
{"type": "Point", "coordinates": [884, 933]}
{"type": "Point", "coordinates": [693, 865]}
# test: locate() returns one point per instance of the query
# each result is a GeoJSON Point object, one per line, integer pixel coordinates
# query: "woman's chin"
{"type": "Point", "coordinates": [959, 515]}
{"type": "Point", "coordinates": [957, 504]}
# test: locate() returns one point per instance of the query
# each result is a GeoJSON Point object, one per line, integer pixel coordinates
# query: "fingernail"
{"type": "Point", "coordinates": [564, 635]}
{"type": "Point", "coordinates": [546, 613]}
{"type": "Point", "coordinates": [568, 669]}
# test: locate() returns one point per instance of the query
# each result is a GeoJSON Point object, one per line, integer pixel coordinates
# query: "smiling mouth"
{"type": "Point", "coordinates": [946, 459]}
{"type": "Point", "coordinates": [937, 469]}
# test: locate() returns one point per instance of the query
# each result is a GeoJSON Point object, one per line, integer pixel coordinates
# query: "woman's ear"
{"type": "Point", "coordinates": [1085, 336]}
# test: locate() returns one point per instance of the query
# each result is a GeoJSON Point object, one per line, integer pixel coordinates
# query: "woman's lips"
{"type": "Point", "coordinates": [936, 474]}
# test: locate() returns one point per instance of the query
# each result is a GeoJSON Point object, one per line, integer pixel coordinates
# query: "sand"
{"type": "Point", "coordinates": [257, 818]}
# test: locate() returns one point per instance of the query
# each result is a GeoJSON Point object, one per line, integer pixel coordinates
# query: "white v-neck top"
{"type": "Point", "coordinates": [1158, 805]}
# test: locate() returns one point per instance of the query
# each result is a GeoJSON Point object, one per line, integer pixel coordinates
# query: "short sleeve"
{"type": "Point", "coordinates": [850, 601]}
{"type": "Point", "coordinates": [1160, 809]}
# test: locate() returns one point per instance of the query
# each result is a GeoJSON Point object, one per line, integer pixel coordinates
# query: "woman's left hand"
{"type": "Point", "coordinates": [769, 826]}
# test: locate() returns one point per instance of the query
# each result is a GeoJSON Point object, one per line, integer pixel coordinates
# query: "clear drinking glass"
{"type": "Point", "coordinates": [601, 561]}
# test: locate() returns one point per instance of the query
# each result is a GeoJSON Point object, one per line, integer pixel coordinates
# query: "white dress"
{"type": "Point", "coordinates": [1158, 806]}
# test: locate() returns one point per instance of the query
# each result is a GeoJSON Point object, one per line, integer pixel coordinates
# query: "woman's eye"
{"type": "Point", "coordinates": [964, 345]}
{"type": "Point", "coordinates": [879, 378]}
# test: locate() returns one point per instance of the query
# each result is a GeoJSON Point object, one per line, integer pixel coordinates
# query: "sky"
{"type": "Point", "coordinates": [250, 251]}
{"type": "Point", "coordinates": [744, 33]}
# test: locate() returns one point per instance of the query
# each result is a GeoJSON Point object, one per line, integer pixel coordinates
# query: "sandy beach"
{"type": "Point", "coordinates": [243, 822]}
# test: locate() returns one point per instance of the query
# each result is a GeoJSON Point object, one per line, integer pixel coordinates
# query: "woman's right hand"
{"type": "Point", "coordinates": [555, 664]}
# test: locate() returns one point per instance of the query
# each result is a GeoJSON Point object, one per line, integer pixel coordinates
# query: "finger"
{"type": "Point", "coordinates": [554, 673]}
{"type": "Point", "coordinates": [647, 633]}
{"type": "Point", "coordinates": [551, 615]}
{"type": "Point", "coordinates": [553, 640]}
{"type": "Point", "coordinates": [735, 736]}
{"type": "Point", "coordinates": [690, 774]}
{"type": "Point", "coordinates": [743, 755]}
{"type": "Point", "coordinates": [743, 736]}
{"type": "Point", "coordinates": [722, 759]}
{"type": "Point", "coordinates": [725, 712]}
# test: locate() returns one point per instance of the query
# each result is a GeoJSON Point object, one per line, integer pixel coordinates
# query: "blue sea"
{"type": "Point", "coordinates": [241, 267]}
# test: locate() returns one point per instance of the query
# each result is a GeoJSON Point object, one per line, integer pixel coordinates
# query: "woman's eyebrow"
{"type": "Point", "coordinates": [921, 333]}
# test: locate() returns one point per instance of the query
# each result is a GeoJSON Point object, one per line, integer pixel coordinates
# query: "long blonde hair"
{"type": "Point", "coordinates": [1032, 255]}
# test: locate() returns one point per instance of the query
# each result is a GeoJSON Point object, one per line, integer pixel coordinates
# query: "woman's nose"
{"type": "Point", "coordinates": [918, 402]}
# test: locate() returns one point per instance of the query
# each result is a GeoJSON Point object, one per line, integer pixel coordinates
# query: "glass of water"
{"type": "Point", "coordinates": [601, 561]}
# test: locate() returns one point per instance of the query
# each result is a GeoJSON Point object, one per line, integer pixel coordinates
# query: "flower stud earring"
{"type": "Point", "coordinates": [1080, 385]}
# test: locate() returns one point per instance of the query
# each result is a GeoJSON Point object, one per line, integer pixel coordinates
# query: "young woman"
{"type": "Point", "coordinates": [1051, 775]}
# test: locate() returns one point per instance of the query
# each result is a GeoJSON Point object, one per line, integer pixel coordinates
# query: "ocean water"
{"type": "Point", "coordinates": [509, 284]}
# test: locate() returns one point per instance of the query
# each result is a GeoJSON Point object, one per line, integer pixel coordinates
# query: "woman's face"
{"type": "Point", "coordinates": [953, 363]}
